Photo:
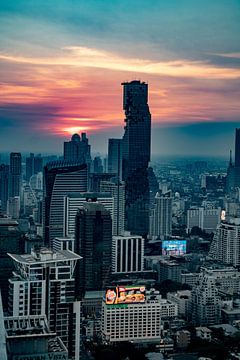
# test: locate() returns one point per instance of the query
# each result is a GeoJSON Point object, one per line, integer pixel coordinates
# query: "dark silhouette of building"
{"type": "Point", "coordinates": [11, 240]}
{"type": "Point", "coordinates": [93, 241]}
{"type": "Point", "coordinates": [59, 179]}
{"type": "Point", "coordinates": [97, 165]}
{"type": "Point", "coordinates": [96, 179]}
{"type": "Point", "coordinates": [136, 155]}
{"type": "Point", "coordinates": [115, 157]}
{"type": "Point", "coordinates": [4, 179]}
{"type": "Point", "coordinates": [15, 178]}
{"type": "Point", "coordinates": [237, 148]}
{"type": "Point", "coordinates": [34, 165]}
{"type": "Point", "coordinates": [233, 172]}
{"type": "Point", "coordinates": [77, 149]}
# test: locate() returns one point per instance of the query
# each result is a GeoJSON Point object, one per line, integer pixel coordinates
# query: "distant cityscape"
{"type": "Point", "coordinates": [121, 256]}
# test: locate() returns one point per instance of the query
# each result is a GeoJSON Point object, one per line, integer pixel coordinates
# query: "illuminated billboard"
{"type": "Point", "coordinates": [174, 247]}
{"type": "Point", "coordinates": [125, 295]}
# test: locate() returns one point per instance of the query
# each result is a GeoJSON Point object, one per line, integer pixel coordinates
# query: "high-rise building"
{"type": "Point", "coordinates": [204, 218]}
{"type": "Point", "coordinates": [127, 254]}
{"type": "Point", "coordinates": [43, 284]}
{"type": "Point", "coordinates": [225, 246]}
{"type": "Point", "coordinates": [117, 191]}
{"type": "Point", "coordinates": [161, 216]}
{"type": "Point", "coordinates": [60, 178]}
{"type": "Point", "coordinates": [77, 149]}
{"type": "Point", "coordinates": [4, 179]}
{"type": "Point", "coordinates": [13, 207]}
{"type": "Point", "coordinates": [115, 157]}
{"type": "Point", "coordinates": [136, 155]}
{"type": "Point", "coordinates": [15, 178]}
{"type": "Point", "coordinates": [237, 148]}
{"type": "Point", "coordinates": [34, 165]}
{"type": "Point", "coordinates": [73, 201]}
{"type": "Point", "coordinates": [11, 240]}
{"type": "Point", "coordinates": [206, 305]}
{"type": "Point", "coordinates": [93, 241]}
{"type": "Point", "coordinates": [97, 165]}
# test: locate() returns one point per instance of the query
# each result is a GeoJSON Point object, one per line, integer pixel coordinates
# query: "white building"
{"type": "Point", "coordinates": [225, 246]}
{"type": "Point", "coordinates": [160, 220]}
{"type": "Point", "coordinates": [183, 300]}
{"type": "Point", "coordinates": [127, 253]}
{"type": "Point", "coordinates": [204, 218]}
{"type": "Point", "coordinates": [117, 190]}
{"type": "Point", "coordinates": [13, 207]}
{"type": "Point", "coordinates": [73, 201]}
{"type": "Point", "coordinates": [44, 284]}
{"type": "Point", "coordinates": [136, 322]}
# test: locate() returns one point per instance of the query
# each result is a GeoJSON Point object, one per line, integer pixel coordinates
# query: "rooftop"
{"type": "Point", "coordinates": [44, 255]}
{"type": "Point", "coordinates": [22, 326]}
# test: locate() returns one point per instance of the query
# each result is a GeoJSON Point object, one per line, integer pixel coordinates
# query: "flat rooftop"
{"type": "Point", "coordinates": [45, 255]}
{"type": "Point", "coordinates": [22, 326]}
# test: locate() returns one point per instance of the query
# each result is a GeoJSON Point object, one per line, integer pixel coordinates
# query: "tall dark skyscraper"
{"type": "Point", "coordinates": [93, 240]}
{"type": "Point", "coordinates": [237, 148]}
{"type": "Point", "coordinates": [115, 157]}
{"type": "Point", "coordinates": [15, 178]}
{"type": "Point", "coordinates": [60, 178]}
{"type": "Point", "coordinates": [4, 179]}
{"type": "Point", "coordinates": [77, 149]}
{"type": "Point", "coordinates": [34, 164]}
{"type": "Point", "coordinates": [136, 155]}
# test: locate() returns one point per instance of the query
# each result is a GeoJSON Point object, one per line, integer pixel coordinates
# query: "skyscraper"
{"type": "Point", "coordinates": [117, 191]}
{"type": "Point", "coordinates": [60, 178]}
{"type": "Point", "coordinates": [136, 155]}
{"type": "Point", "coordinates": [237, 148]}
{"type": "Point", "coordinates": [93, 241]}
{"type": "Point", "coordinates": [34, 165]}
{"type": "Point", "coordinates": [77, 149]}
{"type": "Point", "coordinates": [43, 284]}
{"type": "Point", "coordinates": [4, 179]}
{"type": "Point", "coordinates": [115, 157]}
{"type": "Point", "coordinates": [161, 216]}
{"type": "Point", "coordinates": [15, 178]}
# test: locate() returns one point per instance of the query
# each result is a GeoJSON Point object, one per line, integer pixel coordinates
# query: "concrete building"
{"type": "Point", "coordinates": [183, 339]}
{"type": "Point", "coordinates": [117, 191]}
{"type": "Point", "coordinates": [73, 201]}
{"type": "Point", "coordinates": [205, 219]}
{"type": "Point", "coordinates": [127, 254]}
{"type": "Point", "coordinates": [93, 241]}
{"type": "Point", "coordinates": [204, 333]}
{"type": "Point", "coordinates": [44, 284]}
{"type": "Point", "coordinates": [13, 207]}
{"type": "Point", "coordinates": [15, 175]}
{"type": "Point", "coordinates": [115, 157]}
{"type": "Point", "coordinates": [225, 246]}
{"type": "Point", "coordinates": [136, 322]}
{"type": "Point", "coordinates": [161, 216]}
{"type": "Point", "coordinates": [77, 149]}
{"type": "Point", "coordinates": [183, 300]}
{"type": "Point", "coordinates": [169, 270]}
{"type": "Point", "coordinates": [206, 305]}
{"type": "Point", "coordinates": [60, 179]}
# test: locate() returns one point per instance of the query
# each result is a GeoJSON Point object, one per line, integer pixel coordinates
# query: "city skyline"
{"type": "Point", "coordinates": [62, 65]}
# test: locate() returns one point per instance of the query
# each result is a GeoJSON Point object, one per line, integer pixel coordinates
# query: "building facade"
{"type": "Point", "coordinates": [161, 216]}
{"type": "Point", "coordinates": [15, 176]}
{"type": "Point", "coordinates": [136, 156]}
{"type": "Point", "coordinates": [115, 157]}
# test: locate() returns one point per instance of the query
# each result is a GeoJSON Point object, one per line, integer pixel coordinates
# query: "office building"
{"type": "Point", "coordinates": [127, 254]}
{"type": "Point", "coordinates": [11, 240]}
{"type": "Point", "coordinates": [93, 241]}
{"type": "Point", "coordinates": [237, 147]}
{"type": "Point", "coordinates": [60, 178]}
{"type": "Point", "coordinates": [4, 179]}
{"type": "Point", "coordinates": [161, 216]}
{"type": "Point", "coordinates": [204, 218]}
{"type": "Point", "coordinates": [206, 304]}
{"type": "Point", "coordinates": [183, 300]}
{"type": "Point", "coordinates": [136, 156]}
{"type": "Point", "coordinates": [140, 320]}
{"type": "Point", "coordinates": [96, 179]}
{"type": "Point", "coordinates": [13, 207]}
{"type": "Point", "coordinates": [117, 191]}
{"type": "Point", "coordinates": [73, 201]}
{"type": "Point", "coordinates": [115, 157]}
{"type": "Point", "coordinates": [169, 270]}
{"type": "Point", "coordinates": [97, 165]}
{"type": "Point", "coordinates": [34, 165]}
{"type": "Point", "coordinates": [15, 176]}
{"type": "Point", "coordinates": [29, 338]}
{"type": "Point", "coordinates": [77, 149]}
{"type": "Point", "coordinates": [43, 284]}
{"type": "Point", "coordinates": [225, 246]}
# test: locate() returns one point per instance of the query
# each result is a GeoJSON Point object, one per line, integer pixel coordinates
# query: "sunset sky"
{"type": "Point", "coordinates": [62, 63]}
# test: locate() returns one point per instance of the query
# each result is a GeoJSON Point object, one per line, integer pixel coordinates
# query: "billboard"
{"type": "Point", "coordinates": [174, 247]}
{"type": "Point", "coordinates": [125, 295]}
